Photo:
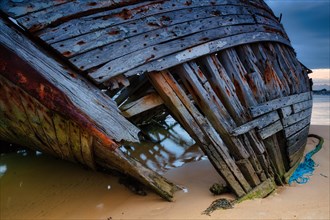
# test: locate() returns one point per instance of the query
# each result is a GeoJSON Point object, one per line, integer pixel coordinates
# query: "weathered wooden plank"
{"type": "Point", "coordinates": [259, 123]}
{"type": "Point", "coordinates": [303, 78]}
{"type": "Point", "coordinates": [22, 7]}
{"type": "Point", "coordinates": [203, 49]}
{"type": "Point", "coordinates": [302, 106]}
{"type": "Point", "coordinates": [275, 104]}
{"type": "Point", "coordinates": [288, 73]}
{"type": "Point", "coordinates": [297, 136]}
{"type": "Point", "coordinates": [275, 155]}
{"type": "Point", "coordinates": [270, 129]}
{"type": "Point", "coordinates": [211, 106]}
{"type": "Point", "coordinates": [281, 78]}
{"type": "Point", "coordinates": [297, 155]}
{"type": "Point", "coordinates": [151, 38]}
{"type": "Point", "coordinates": [285, 111]}
{"type": "Point", "coordinates": [192, 121]}
{"type": "Point", "coordinates": [86, 144]}
{"type": "Point", "coordinates": [143, 104]}
{"type": "Point", "coordinates": [75, 144]}
{"type": "Point", "coordinates": [133, 13]}
{"type": "Point", "coordinates": [297, 126]}
{"type": "Point", "coordinates": [46, 124]}
{"type": "Point", "coordinates": [81, 97]}
{"type": "Point", "coordinates": [296, 117]}
{"type": "Point", "coordinates": [138, 34]}
{"type": "Point", "coordinates": [15, 118]}
{"type": "Point", "coordinates": [288, 65]}
{"type": "Point", "coordinates": [223, 87]}
{"type": "Point", "coordinates": [40, 19]}
{"type": "Point", "coordinates": [132, 60]}
{"type": "Point", "coordinates": [297, 145]}
{"type": "Point", "coordinates": [237, 72]}
{"type": "Point", "coordinates": [246, 167]}
{"type": "Point", "coordinates": [62, 130]}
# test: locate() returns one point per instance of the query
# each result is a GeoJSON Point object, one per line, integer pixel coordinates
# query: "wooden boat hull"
{"type": "Point", "coordinates": [225, 70]}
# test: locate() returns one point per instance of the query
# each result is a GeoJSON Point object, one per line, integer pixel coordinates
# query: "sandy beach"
{"type": "Point", "coordinates": [54, 189]}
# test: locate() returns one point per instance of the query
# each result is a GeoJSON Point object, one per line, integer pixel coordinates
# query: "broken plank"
{"type": "Point", "coordinates": [211, 106]}
{"type": "Point", "coordinates": [302, 106]}
{"type": "Point", "coordinates": [138, 34]}
{"type": "Point", "coordinates": [203, 49]}
{"type": "Point", "coordinates": [270, 129]}
{"type": "Point", "coordinates": [285, 111]}
{"type": "Point", "coordinates": [143, 104]}
{"type": "Point", "coordinates": [75, 144]}
{"type": "Point", "coordinates": [297, 145]}
{"type": "Point", "coordinates": [246, 167]}
{"type": "Point", "coordinates": [289, 131]}
{"type": "Point", "coordinates": [193, 122]}
{"type": "Point", "coordinates": [236, 71]}
{"type": "Point", "coordinates": [132, 60]}
{"type": "Point", "coordinates": [86, 144]}
{"type": "Point", "coordinates": [150, 10]}
{"type": "Point", "coordinates": [297, 155]}
{"type": "Point", "coordinates": [22, 7]}
{"type": "Point", "coordinates": [296, 117]}
{"type": "Point", "coordinates": [259, 123]}
{"type": "Point", "coordinates": [223, 87]}
{"type": "Point", "coordinates": [275, 155]}
{"type": "Point", "coordinates": [278, 103]}
{"type": "Point", "coordinates": [82, 102]}
{"type": "Point", "coordinates": [297, 136]}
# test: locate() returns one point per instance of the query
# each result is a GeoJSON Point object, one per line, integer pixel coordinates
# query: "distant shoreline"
{"type": "Point", "coordinates": [321, 92]}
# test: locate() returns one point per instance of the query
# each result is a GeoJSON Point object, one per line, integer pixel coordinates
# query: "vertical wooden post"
{"type": "Point", "coordinates": [200, 129]}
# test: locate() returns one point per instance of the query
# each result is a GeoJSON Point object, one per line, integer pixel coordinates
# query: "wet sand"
{"type": "Point", "coordinates": [39, 187]}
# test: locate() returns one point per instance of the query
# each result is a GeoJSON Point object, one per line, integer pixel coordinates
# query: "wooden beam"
{"type": "Point", "coordinates": [84, 103]}
{"type": "Point", "coordinates": [199, 128]}
{"type": "Point", "coordinates": [275, 104]}
{"type": "Point", "coordinates": [270, 129]}
{"type": "Point", "coordinates": [143, 104]}
{"type": "Point", "coordinates": [259, 123]}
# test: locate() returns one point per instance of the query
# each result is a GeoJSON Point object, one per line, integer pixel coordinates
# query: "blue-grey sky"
{"type": "Point", "coordinates": [307, 22]}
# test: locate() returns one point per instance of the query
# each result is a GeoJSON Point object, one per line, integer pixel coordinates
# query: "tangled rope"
{"type": "Point", "coordinates": [305, 169]}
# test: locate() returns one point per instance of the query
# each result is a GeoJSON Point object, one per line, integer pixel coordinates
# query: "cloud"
{"type": "Point", "coordinates": [321, 79]}
{"type": "Point", "coordinates": [308, 26]}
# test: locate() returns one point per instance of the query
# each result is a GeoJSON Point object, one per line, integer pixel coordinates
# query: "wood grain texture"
{"type": "Point", "coordinates": [93, 106]}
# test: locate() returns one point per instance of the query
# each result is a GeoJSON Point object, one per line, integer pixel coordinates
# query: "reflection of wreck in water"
{"type": "Point", "coordinates": [169, 146]}
{"type": "Point", "coordinates": [79, 77]}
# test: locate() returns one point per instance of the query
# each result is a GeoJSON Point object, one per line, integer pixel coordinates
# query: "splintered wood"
{"type": "Point", "coordinates": [239, 107]}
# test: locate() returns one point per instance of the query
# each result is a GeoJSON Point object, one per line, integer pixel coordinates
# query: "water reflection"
{"type": "Point", "coordinates": [3, 169]}
{"type": "Point", "coordinates": [321, 110]}
{"type": "Point", "coordinates": [171, 146]}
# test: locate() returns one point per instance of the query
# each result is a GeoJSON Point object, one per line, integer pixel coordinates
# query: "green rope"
{"type": "Point", "coordinates": [306, 168]}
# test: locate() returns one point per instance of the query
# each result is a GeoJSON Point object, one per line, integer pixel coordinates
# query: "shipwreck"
{"type": "Point", "coordinates": [77, 75]}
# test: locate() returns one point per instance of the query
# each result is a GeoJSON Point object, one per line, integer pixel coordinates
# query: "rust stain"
{"type": "Point", "coordinates": [114, 32]}
{"type": "Point", "coordinates": [216, 13]}
{"type": "Point", "coordinates": [187, 3]}
{"type": "Point", "coordinates": [149, 58]}
{"type": "Point", "coordinates": [22, 78]}
{"type": "Point", "coordinates": [204, 39]}
{"type": "Point", "coordinates": [36, 27]}
{"type": "Point", "coordinates": [92, 4]}
{"type": "Point", "coordinates": [20, 73]}
{"type": "Point", "coordinates": [81, 42]}
{"type": "Point", "coordinates": [200, 73]}
{"type": "Point", "coordinates": [125, 14]}
{"type": "Point", "coordinates": [66, 53]}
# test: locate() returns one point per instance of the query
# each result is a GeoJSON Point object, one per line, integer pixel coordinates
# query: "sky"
{"type": "Point", "coordinates": [307, 22]}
